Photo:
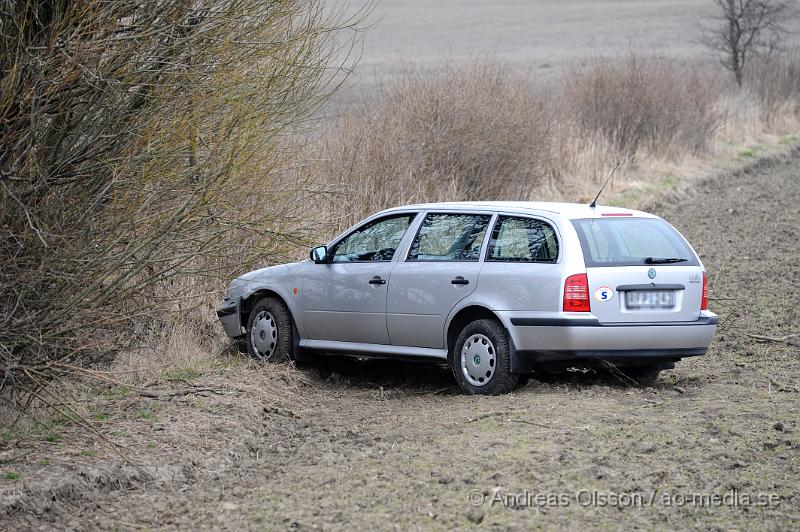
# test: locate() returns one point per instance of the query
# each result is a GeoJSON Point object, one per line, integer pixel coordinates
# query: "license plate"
{"type": "Point", "coordinates": [650, 299]}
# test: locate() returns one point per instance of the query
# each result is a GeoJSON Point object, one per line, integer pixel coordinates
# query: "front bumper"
{"type": "Point", "coordinates": [539, 339]}
{"type": "Point", "coordinates": [228, 314]}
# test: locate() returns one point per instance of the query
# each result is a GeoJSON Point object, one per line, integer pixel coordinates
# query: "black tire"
{"type": "Point", "coordinates": [642, 376]}
{"type": "Point", "coordinates": [495, 369]}
{"type": "Point", "coordinates": [262, 345]}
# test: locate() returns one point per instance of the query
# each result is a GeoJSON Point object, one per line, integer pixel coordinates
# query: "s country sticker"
{"type": "Point", "coordinates": [604, 293]}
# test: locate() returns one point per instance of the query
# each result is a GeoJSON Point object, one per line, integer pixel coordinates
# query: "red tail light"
{"type": "Point", "coordinates": [576, 293]}
{"type": "Point", "coordinates": [704, 300]}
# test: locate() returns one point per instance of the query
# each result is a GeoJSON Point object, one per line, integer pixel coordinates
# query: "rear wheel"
{"type": "Point", "coordinates": [269, 331]}
{"type": "Point", "coordinates": [481, 361]}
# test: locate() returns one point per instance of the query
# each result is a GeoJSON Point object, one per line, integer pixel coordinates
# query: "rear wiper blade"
{"type": "Point", "coordinates": [667, 260]}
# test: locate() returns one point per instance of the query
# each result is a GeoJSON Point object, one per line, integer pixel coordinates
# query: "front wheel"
{"type": "Point", "coordinates": [481, 361]}
{"type": "Point", "coordinates": [269, 331]}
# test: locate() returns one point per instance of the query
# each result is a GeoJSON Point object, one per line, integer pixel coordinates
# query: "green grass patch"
{"type": "Point", "coordinates": [45, 431]}
{"type": "Point", "coordinates": [11, 475]}
{"type": "Point", "coordinates": [225, 362]}
{"type": "Point", "coordinates": [183, 375]}
{"type": "Point", "coordinates": [752, 151]}
{"type": "Point", "coordinates": [148, 414]}
{"type": "Point", "coordinates": [112, 392]}
{"type": "Point", "coordinates": [669, 181]}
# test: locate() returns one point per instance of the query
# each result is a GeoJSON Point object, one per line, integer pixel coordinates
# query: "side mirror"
{"type": "Point", "coordinates": [319, 254]}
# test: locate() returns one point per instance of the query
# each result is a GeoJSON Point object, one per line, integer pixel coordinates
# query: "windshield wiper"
{"type": "Point", "coordinates": [668, 260]}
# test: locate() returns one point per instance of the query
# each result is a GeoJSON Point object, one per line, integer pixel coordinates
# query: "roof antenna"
{"type": "Point", "coordinates": [593, 204]}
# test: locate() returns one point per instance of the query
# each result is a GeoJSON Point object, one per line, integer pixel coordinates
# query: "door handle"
{"type": "Point", "coordinates": [377, 280]}
{"type": "Point", "coordinates": [459, 280]}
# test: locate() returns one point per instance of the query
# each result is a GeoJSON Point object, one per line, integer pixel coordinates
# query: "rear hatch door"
{"type": "Point", "coordinates": [639, 270]}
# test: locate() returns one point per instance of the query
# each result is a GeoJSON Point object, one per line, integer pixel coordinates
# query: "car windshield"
{"type": "Point", "coordinates": [632, 241]}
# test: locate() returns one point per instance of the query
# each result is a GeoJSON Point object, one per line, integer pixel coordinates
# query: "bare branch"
{"type": "Point", "coordinates": [144, 159]}
{"type": "Point", "coordinates": [743, 29]}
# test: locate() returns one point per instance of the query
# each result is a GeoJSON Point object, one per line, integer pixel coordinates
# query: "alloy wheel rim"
{"type": "Point", "coordinates": [478, 360]}
{"type": "Point", "coordinates": [264, 334]}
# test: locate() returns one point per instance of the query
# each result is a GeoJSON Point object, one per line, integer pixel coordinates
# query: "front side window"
{"type": "Point", "coordinates": [373, 242]}
{"type": "Point", "coordinates": [523, 240]}
{"type": "Point", "coordinates": [450, 237]}
{"type": "Point", "coordinates": [632, 241]}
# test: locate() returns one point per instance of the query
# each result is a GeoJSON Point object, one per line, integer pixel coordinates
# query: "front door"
{"type": "Point", "coordinates": [440, 270]}
{"type": "Point", "coordinates": [345, 299]}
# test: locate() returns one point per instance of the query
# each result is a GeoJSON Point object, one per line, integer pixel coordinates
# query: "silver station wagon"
{"type": "Point", "coordinates": [497, 290]}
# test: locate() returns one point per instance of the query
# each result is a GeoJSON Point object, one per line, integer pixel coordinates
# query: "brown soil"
{"type": "Point", "coordinates": [383, 444]}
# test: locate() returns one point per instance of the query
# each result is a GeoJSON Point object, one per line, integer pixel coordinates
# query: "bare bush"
{"type": "Point", "coordinates": [148, 153]}
{"type": "Point", "coordinates": [478, 133]}
{"type": "Point", "coordinates": [638, 103]}
{"type": "Point", "coordinates": [485, 132]}
{"type": "Point", "coordinates": [776, 84]}
{"type": "Point", "coordinates": [141, 152]}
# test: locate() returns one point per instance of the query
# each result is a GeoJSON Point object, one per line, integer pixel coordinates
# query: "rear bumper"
{"type": "Point", "coordinates": [620, 355]}
{"type": "Point", "coordinates": [538, 339]}
{"type": "Point", "coordinates": [228, 314]}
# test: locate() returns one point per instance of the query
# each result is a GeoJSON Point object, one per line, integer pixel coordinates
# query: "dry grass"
{"type": "Point", "coordinates": [469, 134]}
{"type": "Point", "coordinates": [146, 157]}
{"type": "Point", "coordinates": [487, 132]}
{"type": "Point", "coordinates": [776, 87]}
{"type": "Point", "coordinates": [636, 104]}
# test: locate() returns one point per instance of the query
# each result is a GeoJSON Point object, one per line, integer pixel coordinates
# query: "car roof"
{"type": "Point", "coordinates": [568, 210]}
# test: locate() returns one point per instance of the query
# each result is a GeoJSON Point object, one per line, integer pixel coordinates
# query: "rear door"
{"type": "Point", "coordinates": [440, 269]}
{"type": "Point", "coordinates": [639, 270]}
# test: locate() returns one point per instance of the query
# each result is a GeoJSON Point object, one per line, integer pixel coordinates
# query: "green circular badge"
{"type": "Point", "coordinates": [651, 273]}
{"type": "Point", "coordinates": [477, 360]}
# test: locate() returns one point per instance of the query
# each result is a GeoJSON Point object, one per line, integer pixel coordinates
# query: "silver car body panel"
{"type": "Point", "coordinates": [422, 295]}
{"type": "Point", "coordinates": [356, 348]}
{"type": "Point", "coordinates": [281, 280]}
{"type": "Point", "coordinates": [336, 309]}
{"type": "Point", "coordinates": [420, 299]}
{"type": "Point", "coordinates": [535, 333]}
{"type": "Point", "coordinates": [339, 303]}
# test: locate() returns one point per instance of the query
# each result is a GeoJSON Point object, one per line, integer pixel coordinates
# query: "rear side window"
{"type": "Point", "coordinates": [631, 242]}
{"type": "Point", "coordinates": [522, 240]}
{"type": "Point", "coordinates": [450, 237]}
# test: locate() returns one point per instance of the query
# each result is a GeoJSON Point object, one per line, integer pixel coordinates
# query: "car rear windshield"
{"type": "Point", "coordinates": [632, 241]}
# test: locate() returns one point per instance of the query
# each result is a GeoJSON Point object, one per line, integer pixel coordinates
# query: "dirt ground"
{"type": "Point", "coordinates": [390, 445]}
